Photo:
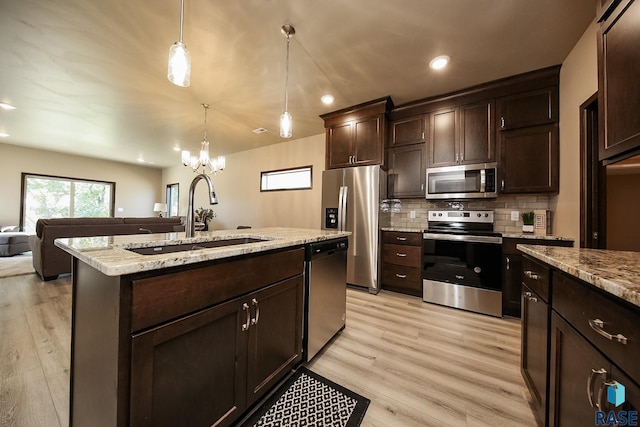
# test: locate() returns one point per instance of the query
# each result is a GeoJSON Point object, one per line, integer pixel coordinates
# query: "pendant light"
{"type": "Point", "coordinates": [285, 118]}
{"type": "Point", "coordinates": [204, 160]}
{"type": "Point", "coordinates": [179, 59]}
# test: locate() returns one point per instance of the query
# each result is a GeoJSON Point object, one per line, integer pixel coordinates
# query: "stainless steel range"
{"type": "Point", "coordinates": [462, 261]}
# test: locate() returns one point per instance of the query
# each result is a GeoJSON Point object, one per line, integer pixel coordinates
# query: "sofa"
{"type": "Point", "coordinates": [49, 261]}
{"type": "Point", "coordinates": [13, 241]}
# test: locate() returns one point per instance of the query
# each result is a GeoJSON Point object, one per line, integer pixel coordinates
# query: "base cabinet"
{"type": "Point", "coordinates": [207, 368]}
{"type": "Point", "coordinates": [402, 262]}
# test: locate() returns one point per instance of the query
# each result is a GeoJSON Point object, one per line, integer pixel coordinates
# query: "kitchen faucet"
{"type": "Point", "coordinates": [190, 228]}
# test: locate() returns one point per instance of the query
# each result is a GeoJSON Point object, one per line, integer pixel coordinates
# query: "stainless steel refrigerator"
{"type": "Point", "coordinates": [350, 202]}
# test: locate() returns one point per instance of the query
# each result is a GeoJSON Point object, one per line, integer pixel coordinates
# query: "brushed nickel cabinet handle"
{"type": "Point", "coordinates": [501, 122]}
{"type": "Point", "coordinates": [401, 276]}
{"type": "Point", "coordinates": [598, 326]}
{"type": "Point", "coordinates": [254, 302]}
{"type": "Point", "coordinates": [508, 263]}
{"type": "Point", "coordinates": [402, 239]}
{"type": "Point", "coordinates": [401, 255]}
{"type": "Point", "coordinates": [531, 275]}
{"type": "Point", "coordinates": [528, 294]}
{"type": "Point", "coordinates": [245, 326]}
{"type": "Point", "coordinates": [502, 185]}
{"type": "Point", "coordinates": [590, 382]}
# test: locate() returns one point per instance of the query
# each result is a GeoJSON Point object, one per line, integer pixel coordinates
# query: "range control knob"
{"type": "Point", "coordinates": [479, 215]}
{"type": "Point", "coordinates": [440, 214]}
{"type": "Point", "coordinates": [486, 215]}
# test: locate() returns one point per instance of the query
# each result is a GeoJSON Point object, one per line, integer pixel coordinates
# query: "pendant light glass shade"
{"type": "Point", "coordinates": [285, 125]}
{"type": "Point", "coordinates": [179, 65]}
{"type": "Point", "coordinates": [179, 59]}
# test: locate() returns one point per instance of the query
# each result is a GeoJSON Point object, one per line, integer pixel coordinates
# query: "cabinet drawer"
{"type": "Point", "coordinates": [158, 299]}
{"type": "Point", "coordinates": [402, 238]}
{"type": "Point", "coordinates": [536, 277]}
{"type": "Point", "coordinates": [402, 276]}
{"type": "Point", "coordinates": [409, 256]}
{"type": "Point", "coordinates": [581, 305]}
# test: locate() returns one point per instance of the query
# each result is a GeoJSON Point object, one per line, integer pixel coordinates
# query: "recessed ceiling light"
{"type": "Point", "coordinates": [6, 106]}
{"type": "Point", "coordinates": [4, 135]}
{"type": "Point", "coordinates": [327, 99]}
{"type": "Point", "coordinates": [439, 62]}
{"type": "Point", "coordinates": [140, 160]}
{"type": "Point", "coordinates": [258, 131]}
{"type": "Point", "coordinates": [176, 149]}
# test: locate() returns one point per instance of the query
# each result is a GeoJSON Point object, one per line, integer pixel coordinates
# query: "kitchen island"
{"type": "Point", "coordinates": [188, 337]}
{"type": "Point", "coordinates": [580, 317]}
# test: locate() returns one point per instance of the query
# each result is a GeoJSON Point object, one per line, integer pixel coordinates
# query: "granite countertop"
{"type": "Point", "coordinates": [616, 272]}
{"type": "Point", "coordinates": [109, 254]}
{"type": "Point", "coordinates": [535, 236]}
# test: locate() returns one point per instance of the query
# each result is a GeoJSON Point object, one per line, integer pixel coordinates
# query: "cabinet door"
{"type": "Point", "coordinates": [477, 141]}
{"type": "Point", "coordinates": [408, 131]}
{"type": "Point", "coordinates": [529, 160]}
{"type": "Point", "coordinates": [532, 108]}
{"type": "Point", "coordinates": [512, 285]}
{"type": "Point", "coordinates": [191, 371]}
{"type": "Point", "coordinates": [275, 335]}
{"type": "Point", "coordinates": [339, 145]}
{"type": "Point", "coordinates": [443, 149]}
{"type": "Point", "coordinates": [618, 83]}
{"type": "Point", "coordinates": [368, 145]}
{"type": "Point", "coordinates": [572, 362]}
{"type": "Point", "coordinates": [407, 171]}
{"type": "Point", "coordinates": [535, 330]}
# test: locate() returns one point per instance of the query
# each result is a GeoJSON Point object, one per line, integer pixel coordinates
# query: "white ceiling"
{"type": "Point", "coordinates": [89, 76]}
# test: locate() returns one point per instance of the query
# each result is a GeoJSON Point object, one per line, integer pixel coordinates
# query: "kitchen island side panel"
{"type": "Point", "coordinates": [97, 329]}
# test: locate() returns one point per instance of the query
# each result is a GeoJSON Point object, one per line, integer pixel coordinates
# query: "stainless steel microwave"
{"type": "Point", "coordinates": [462, 182]}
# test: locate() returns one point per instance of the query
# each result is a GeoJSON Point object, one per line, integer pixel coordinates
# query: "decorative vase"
{"type": "Point", "coordinates": [527, 228]}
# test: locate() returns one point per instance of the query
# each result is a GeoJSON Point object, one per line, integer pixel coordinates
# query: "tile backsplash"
{"type": "Point", "coordinates": [502, 208]}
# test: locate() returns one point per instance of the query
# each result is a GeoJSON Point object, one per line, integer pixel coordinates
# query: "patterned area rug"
{"type": "Point", "coordinates": [308, 399]}
{"type": "Point", "coordinates": [16, 265]}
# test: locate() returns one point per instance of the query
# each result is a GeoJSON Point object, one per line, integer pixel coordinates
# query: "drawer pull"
{"type": "Point", "coordinates": [590, 382]}
{"type": "Point", "coordinates": [245, 326]}
{"type": "Point", "coordinates": [401, 276]}
{"type": "Point", "coordinates": [254, 302]}
{"type": "Point", "coordinates": [531, 275]}
{"type": "Point", "coordinates": [598, 326]}
{"type": "Point", "coordinates": [402, 239]}
{"type": "Point", "coordinates": [401, 255]}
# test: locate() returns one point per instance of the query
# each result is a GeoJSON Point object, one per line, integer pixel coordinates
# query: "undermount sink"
{"type": "Point", "coordinates": [155, 250]}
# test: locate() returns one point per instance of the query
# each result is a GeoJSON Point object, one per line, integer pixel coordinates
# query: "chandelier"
{"type": "Point", "coordinates": [203, 160]}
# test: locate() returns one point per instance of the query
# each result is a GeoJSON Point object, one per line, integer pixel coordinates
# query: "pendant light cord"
{"type": "Point", "coordinates": [181, 18]}
{"type": "Point", "coordinates": [286, 78]}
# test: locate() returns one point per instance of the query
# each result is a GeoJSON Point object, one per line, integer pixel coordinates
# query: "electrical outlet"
{"type": "Point", "coordinates": [412, 214]}
{"type": "Point", "coordinates": [515, 215]}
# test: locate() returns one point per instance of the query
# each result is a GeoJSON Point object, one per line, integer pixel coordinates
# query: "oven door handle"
{"type": "Point", "coordinates": [462, 238]}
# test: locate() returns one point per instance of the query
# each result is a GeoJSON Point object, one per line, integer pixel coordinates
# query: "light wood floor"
{"type": "Point", "coordinates": [420, 364]}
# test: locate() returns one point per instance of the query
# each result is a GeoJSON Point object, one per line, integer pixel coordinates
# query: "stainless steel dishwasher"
{"type": "Point", "coordinates": [325, 293]}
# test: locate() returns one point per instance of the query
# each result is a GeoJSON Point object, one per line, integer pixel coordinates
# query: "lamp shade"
{"type": "Point", "coordinates": [159, 207]}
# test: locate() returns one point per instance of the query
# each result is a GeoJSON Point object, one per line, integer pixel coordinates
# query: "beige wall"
{"type": "Point", "coordinates": [137, 187]}
{"type": "Point", "coordinates": [578, 81]}
{"type": "Point", "coordinates": [238, 187]}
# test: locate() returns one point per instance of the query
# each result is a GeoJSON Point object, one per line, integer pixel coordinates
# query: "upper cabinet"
{"type": "Point", "coordinates": [355, 136]}
{"type": "Point", "coordinates": [529, 143]}
{"type": "Point", "coordinates": [408, 131]}
{"type": "Point", "coordinates": [618, 83]}
{"type": "Point", "coordinates": [462, 135]}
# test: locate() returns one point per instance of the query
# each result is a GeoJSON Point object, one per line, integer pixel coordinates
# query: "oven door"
{"type": "Point", "coordinates": [463, 260]}
{"type": "Point", "coordinates": [463, 272]}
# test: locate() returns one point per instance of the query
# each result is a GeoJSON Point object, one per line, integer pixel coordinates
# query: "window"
{"type": "Point", "coordinates": [172, 199]}
{"type": "Point", "coordinates": [59, 197]}
{"type": "Point", "coordinates": [286, 179]}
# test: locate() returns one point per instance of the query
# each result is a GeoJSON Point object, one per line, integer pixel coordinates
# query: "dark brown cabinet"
{"type": "Point", "coordinates": [618, 84]}
{"type": "Point", "coordinates": [406, 175]}
{"type": "Point", "coordinates": [512, 270]}
{"type": "Point", "coordinates": [356, 136]}
{"type": "Point", "coordinates": [191, 345]}
{"type": "Point", "coordinates": [402, 262]}
{"type": "Point", "coordinates": [528, 140]}
{"type": "Point", "coordinates": [462, 135]}
{"type": "Point", "coordinates": [408, 131]}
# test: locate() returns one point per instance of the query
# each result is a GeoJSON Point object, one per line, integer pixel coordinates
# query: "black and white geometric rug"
{"type": "Point", "coordinates": [310, 400]}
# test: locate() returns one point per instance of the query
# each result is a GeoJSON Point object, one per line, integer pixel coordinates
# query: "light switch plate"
{"type": "Point", "coordinates": [412, 214]}
{"type": "Point", "coordinates": [515, 215]}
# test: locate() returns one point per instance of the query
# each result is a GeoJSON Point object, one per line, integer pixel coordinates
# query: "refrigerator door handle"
{"type": "Point", "coordinates": [342, 210]}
